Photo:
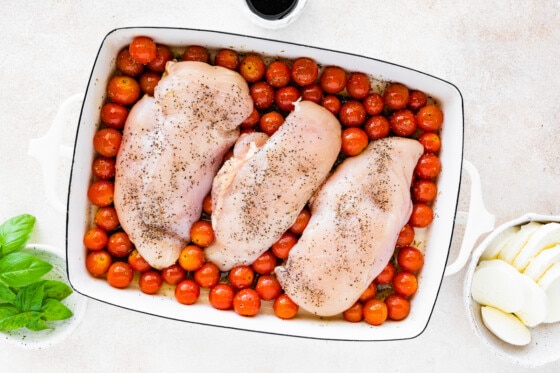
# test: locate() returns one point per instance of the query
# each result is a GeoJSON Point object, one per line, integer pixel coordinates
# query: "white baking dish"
{"type": "Point", "coordinates": [436, 242]}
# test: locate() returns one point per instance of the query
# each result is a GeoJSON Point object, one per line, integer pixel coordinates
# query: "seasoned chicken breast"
{"type": "Point", "coordinates": [258, 194]}
{"type": "Point", "coordinates": [172, 146]}
{"type": "Point", "coordinates": [356, 218]}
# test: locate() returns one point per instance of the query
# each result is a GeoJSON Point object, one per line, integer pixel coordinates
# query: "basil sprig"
{"type": "Point", "coordinates": [26, 299]}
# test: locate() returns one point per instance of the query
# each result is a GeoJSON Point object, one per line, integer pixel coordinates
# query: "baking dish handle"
{"type": "Point", "coordinates": [478, 220]}
{"type": "Point", "coordinates": [48, 150]}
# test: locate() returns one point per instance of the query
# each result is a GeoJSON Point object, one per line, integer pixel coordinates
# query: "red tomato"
{"type": "Point", "coordinates": [386, 276]}
{"type": "Point", "coordinates": [369, 293]}
{"type": "Point", "coordinates": [207, 204]}
{"type": "Point", "coordinates": [98, 262]}
{"type": "Point", "coordinates": [107, 141]}
{"type": "Point", "coordinates": [416, 100]}
{"type": "Point", "coordinates": [208, 275]}
{"type": "Point", "coordinates": [142, 49]}
{"type": "Point", "coordinates": [163, 55]}
{"type": "Point", "coordinates": [252, 68]}
{"type": "Point", "coordinates": [428, 166]}
{"type": "Point", "coordinates": [285, 98]}
{"type": "Point", "coordinates": [398, 307]}
{"type": "Point", "coordinates": [281, 248]}
{"type": "Point", "coordinates": [114, 115]}
{"type": "Point", "coordinates": [358, 85]}
{"type": "Point", "coordinates": [221, 297]}
{"type": "Point", "coordinates": [268, 287]}
{"type": "Point", "coordinates": [241, 276]}
{"type": "Point", "coordinates": [301, 222]}
{"type": "Point", "coordinates": [430, 118]}
{"type": "Point", "coordinates": [104, 167]}
{"type": "Point", "coordinates": [100, 193]}
{"type": "Point", "coordinates": [395, 96]}
{"type": "Point", "coordinates": [312, 92]}
{"type": "Point", "coordinates": [246, 302]}
{"type": "Point", "coordinates": [373, 104]}
{"type": "Point", "coordinates": [227, 58]}
{"type": "Point", "coordinates": [422, 215]}
{"type": "Point", "coordinates": [304, 71]}
{"type": "Point", "coordinates": [196, 53]}
{"type": "Point", "coordinates": [252, 119]}
{"type": "Point", "coordinates": [262, 94]}
{"type": "Point", "coordinates": [123, 90]}
{"type": "Point", "coordinates": [377, 127]}
{"type": "Point", "coordinates": [424, 190]}
{"type": "Point", "coordinates": [95, 239]}
{"type": "Point", "coordinates": [127, 65]}
{"type": "Point", "coordinates": [285, 308]}
{"type": "Point", "coordinates": [430, 141]}
{"type": "Point", "coordinates": [173, 274]}
{"type": "Point", "coordinates": [119, 245]}
{"type": "Point", "coordinates": [405, 283]}
{"type": "Point", "coordinates": [352, 113]}
{"type": "Point", "coordinates": [137, 262]}
{"type": "Point", "coordinates": [106, 218]}
{"type": "Point", "coordinates": [119, 275]}
{"type": "Point", "coordinates": [403, 122]}
{"type": "Point", "coordinates": [278, 74]}
{"type": "Point", "coordinates": [331, 103]}
{"type": "Point", "coordinates": [333, 79]}
{"type": "Point", "coordinates": [265, 263]}
{"type": "Point", "coordinates": [187, 292]}
{"type": "Point", "coordinates": [355, 313]}
{"type": "Point", "coordinates": [375, 312]}
{"type": "Point", "coordinates": [410, 259]}
{"type": "Point", "coordinates": [406, 236]}
{"type": "Point", "coordinates": [270, 122]}
{"type": "Point", "coordinates": [202, 233]}
{"type": "Point", "coordinates": [148, 82]}
{"type": "Point", "coordinates": [354, 141]}
{"type": "Point", "coordinates": [150, 282]}
{"type": "Point", "coordinates": [191, 258]}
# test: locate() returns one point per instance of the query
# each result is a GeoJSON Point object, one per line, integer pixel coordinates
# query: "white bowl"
{"type": "Point", "coordinates": [545, 338]}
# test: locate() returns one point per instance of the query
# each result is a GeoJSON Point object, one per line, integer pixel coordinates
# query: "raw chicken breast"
{"type": "Point", "coordinates": [173, 144]}
{"type": "Point", "coordinates": [258, 194]}
{"type": "Point", "coordinates": [356, 218]}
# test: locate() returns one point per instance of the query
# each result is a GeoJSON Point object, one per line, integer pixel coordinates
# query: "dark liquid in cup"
{"type": "Point", "coordinates": [271, 9]}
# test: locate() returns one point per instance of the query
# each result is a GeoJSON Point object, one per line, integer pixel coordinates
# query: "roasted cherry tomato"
{"type": "Point", "coordinates": [268, 287]}
{"type": "Point", "coordinates": [114, 115]}
{"type": "Point", "coordinates": [227, 58]}
{"type": "Point", "coordinates": [373, 103]}
{"type": "Point", "coordinates": [207, 204]}
{"type": "Point", "coordinates": [424, 190]}
{"type": "Point", "coordinates": [377, 127]}
{"type": "Point", "coordinates": [301, 222]}
{"type": "Point", "coordinates": [202, 233]}
{"type": "Point", "coordinates": [285, 308]}
{"type": "Point", "coordinates": [355, 313]}
{"type": "Point", "coordinates": [142, 49]}
{"type": "Point", "coordinates": [333, 79]}
{"type": "Point", "coordinates": [100, 193]}
{"type": "Point", "coordinates": [430, 141]}
{"type": "Point", "coordinates": [270, 122]}
{"type": "Point", "coordinates": [150, 282]}
{"type": "Point", "coordinates": [127, 65]}
{"type": "Point", "coordinates": [252, 68]}
{"type": "Point", "coordinates": [386, 276]}
{"type": "Point", "coordinates": [410, 259]}
{"type": "Point", "coordinates": [395, 96]}
{"type": "Point", "coordinates": [428, 166]}
{"type": "Point", "coordinates": [278, 74]}
{"type": "Point", "coordinates": [123, 90]}
{"type": "Point", "coordinates": [106, 218]}
{"type": "Point", "coordinates": [262, 94]}
{"type": "Point", "coordinates": [191, 258]}
{"type": "Point", "coordinates": [416, 100]}
{"type": "Point", "coordinates": [137, 262]}
{"type": "Point", "coordinates": [352, 113]}
{"type": "Point", "coordinates": [375, 312]}
{"type": "Point", "coordinates": [148, 82]}
{"type": "Point", "coordinates": [173, 274]}
{"type": "Point", "coordinates": [104, 167]}
{"type": "Point", "coordinates": [398, 307]}
{"type": "Point", "coordinates": [265, 263]}
{"type": "Point", "coordinates": [196, 53]}
{"type": "Point", "coordinates": [208, 275]}
{"type": "Point", "coordinates": [353, 141]}
{"type": "Point", "coordinates": [221, 297]}
{"type": "Point", "coordinates": [285, 98]}
{"type": "Point", "coordinates": [422, 215]}
{"type": "Point", "coordinates": [405, 283]}
{"type": "Point", "coordinates": [241, 276]}
{"type": "Point", "coordinates": [369, 293]}
{"type": "Point", "coordinates": [119, 245]}
{"type": "Point", "coordinates": [403, 122]}
{"type": "Point", "coordinates": [98, 262]}
{"type": "Point", "coordinates": [331, 103]}
{"type": "Point", "coordinates": [312, 92]}
{"type": "Point", "coordinates": [163, 55]}
{"type": "Point", "coordinates": [107, 141]}
{"type": "Point", "coordinates": [252, 119]}
{"type": "Point", "coordinates": [304, 71]}
{"type": "Point", "coordinates": [120, 275]}
{"type": "Point", "coordinates": [282, 247]}
{"type": "Point", "coordinates": [358, 85]}
{"type": "Point", "coordinates": [95, 239]}
{"type": "Point", "coordinates": [406, 236]}
{"type": "Point", "coordinates": [187, 292]}
{"type": "Point", "coordinates": [429, 118]}
{"type": "Point", "coordinates": [246, 302]}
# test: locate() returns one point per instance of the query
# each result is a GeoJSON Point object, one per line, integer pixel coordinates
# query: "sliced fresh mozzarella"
{"type": "Point", "coordinates": [546, 236]}
{"type": "Point", "coordinates": [534, 309]}
{"type": "Point", "coordinates": [550, 282]}
{"type": "Point", "coordinates": [498, 243]}
{"type": "Point", "coordinates": [542, 262]}
{"type": "Point", "coordinates": [505, 326]}
{"type": "Point", "coordinates": [516, 244]}
{"type": "Point", "coordinates": [496, 283]}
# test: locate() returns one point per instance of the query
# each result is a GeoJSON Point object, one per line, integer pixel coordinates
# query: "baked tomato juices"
{"type": "Point", "coordinates": [368, 110]}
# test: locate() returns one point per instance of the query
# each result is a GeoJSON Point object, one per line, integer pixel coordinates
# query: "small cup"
{"type": "Point", "coordinates": [273, 14]}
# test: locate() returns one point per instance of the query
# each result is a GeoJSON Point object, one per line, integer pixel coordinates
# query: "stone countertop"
{"type": "Point", "coordinates": [504, 57]}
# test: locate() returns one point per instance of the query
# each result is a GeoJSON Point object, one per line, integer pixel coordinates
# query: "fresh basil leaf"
{"type": "Point", "coordinates": [21, 269]}
{"type": "Point", "coordinates": [6, 294]}
{"type": "Point", "coordinates": [7, 310]}
{"type": "Point", "coordinates": [15, 232]}
{"type": "Point", "coordinates": [20, 320]}
{"type": "Point", "coordinates": [57, 289]}
{"type": "Point", "coordinates": [38, 325]}
{"type": "Point", "coordinates": [30, 297]}
{"type": "Point", "coordinates": [54, 310]}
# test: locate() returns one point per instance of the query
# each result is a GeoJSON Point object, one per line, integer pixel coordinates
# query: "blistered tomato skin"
{"type": "Point", "coordinates": [304, 71]}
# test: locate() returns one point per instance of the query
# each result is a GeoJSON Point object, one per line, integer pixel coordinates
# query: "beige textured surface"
{"type": "Point", "coordinates": [504, 56]}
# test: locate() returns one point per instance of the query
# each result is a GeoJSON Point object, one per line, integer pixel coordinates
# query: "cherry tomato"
{"type": "Point", "coordinates": [114, 115]}
{"type": "Point", "coordinates": [428, 166]}
{"type": "Point", "coordinates": [312, 92]}
{"type": "Point", "coordinates": [208, 275]}
{"type": "Point", "coordinates": [398, 307]}
{"type": "Point", "coordinates": [333, 79]}
{"type": "Point", "coordinates": [252, 68]}
{"type": "Point", "coordinates": [227, 58]}
{"type": "Point", "coordinates": [142, 49]}
{"type": "Point", "coordinates": [410, 259]}
{"type": "Point", "coordinates": [416, 100]}
{"type": "Point", "coordinates": [150, 282]}
{"type": "Point", "coordinates": [430, 141]}
{"type": "Point", "coordinates": [355, 313]}
{"type": "Point", "coordinates": [95, 239]}
{"type": "Point", "coordinates": [405, 283]}
{"type": "Point", "coordinates": [100, 193]}
{"type": "Point", "coordinates": [424, 190]}
{"type": "Point", "coordinates": [369, 293]}
{"type": "Point", "coordinates": [265, 263]}
{"type": "Point", "coordinates": [196, 53]}
{"type": "Point", "coordinates": [377, 127]}
{"type": "Point", "coordinates": [137, 262]}
{"type": "Point", "coordinates": [403, 122]}
{"type": "Point", "coordinates": [148, 82]}
{"type": "Point", "coordinates": [352, 113]}
{"type": "Point", "coordinates": [187, 292]}
{"type": "Point", "coordinates": [358, 85]}
{"type": "Point", "coordinates": [173, 274]}
{"type": "Point", "coordinates": [285, 97]}
{"type": "Point", "coordinates": [268, 287]}
{"type": "Point", "coordinates": [429, 118]}
{"type": "Point", "coordinates": [98, 262]}
{"type": "Point", "coordinates": [304, 71]}
{"type": "Point", "coordinates": [422, 215]}
{"type": "Point", "coordinates": [202, 233]}
{"type": "Point", "coordinates": [246, 302]}
{"type": "Point", "coordinates": [278, 74]}
{"type": "Point", "coordinates": [395, 96]}
{"type": "Point", "coordinates": [191, 258]}
{"type": "Point", "coordinates": [270, 122]}
{"type": "Point", "coordinates": [106, 218]}
{"type": "Point", "coordinates": [119, 245]}
{"type": "Point", "coordinates": [221, 297]}
{"type": "Point", "coordinates": [354, 141]}
{"type": "Point", "coordinates": [123, 90]}
{"type": "Point", "coordinates": [262, 94]}
{"type": "Point", "coordinates": [406, 236]}
{"type": "Point", "coordinates": [207, 204]}
{"type": "Point", "coordinates": [103, 167]}
{"type": "Point", "coordinates": [373, 103]}
{"type": "Point", "coordinates": [284, 308]}
{"type": "Point", "coordinates": [386, 275]}
{"type": "Point", "coordinates": [163, 55]}
{"type": "Point", "coordinates": [375, 312]}
{"type": "Point", "coordinates": [252, 119]}
{"type": "Point", "coordinates": [127, 65]}
{"type": "Point", "coordinates": [120, 275]}
{"type": "Point", "coordinates": [281, 248]}
{"type": "Point", "coordinates": [301, 222]}
{"type": "Point", "coordinates": [107, 141]}
{"type": "Point", "coordinates": [241, 276]}
{"type": "Point", "coordinates": [331, 103]}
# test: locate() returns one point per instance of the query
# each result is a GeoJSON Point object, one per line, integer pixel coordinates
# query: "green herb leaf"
{"type": "Point", "coordinates": [56, 289]}
{"type": "Point", "coordinates": [30, 297]}
{"type": "Point", "coordinates": [38, 325]}
{"type": "Point", "coordinates": [6, 294]}
{"type": "Point", "coordinates": [21, 269]}
{"type": "Point", "coordinates": [20, 320]}
{"type": "Point", "coordinates": [7, 310]}
{"type": "Point", "coordinates": [15, 232]}
{"type": "Point", "coordinates": [54, 310]}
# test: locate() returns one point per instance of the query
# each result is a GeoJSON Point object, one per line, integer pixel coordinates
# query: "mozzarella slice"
{"type": "Point", "coordinates": [505, 326]}
{"type": "Point", "coordinates": [498, 243]}
{"type": "Point", "coordinates": [510, 251]}
{"type": "Point", "coordinates": [534, 308]}
{"type": "Point", "coordinates": [550, 282]}
{"type": "Point", "coordinates": [546, 236]}
{"type": "Point", "coordinates": [496, 283]}
{"type": "Point", "coordinates": [542, 262]}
